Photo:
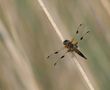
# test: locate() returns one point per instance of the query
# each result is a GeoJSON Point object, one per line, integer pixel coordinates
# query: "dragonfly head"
{"type": "Point", "coordinates": [66, 42]}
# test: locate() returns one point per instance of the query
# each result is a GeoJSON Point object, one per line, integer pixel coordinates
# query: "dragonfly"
{"type": "Point", "coordinates": [71, 46]}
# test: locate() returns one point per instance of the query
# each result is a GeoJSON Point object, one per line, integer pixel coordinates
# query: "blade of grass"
{"type": "Point", "coordinates": [22, 66]}
{"type": "Point", "coordinates": [62, 39]}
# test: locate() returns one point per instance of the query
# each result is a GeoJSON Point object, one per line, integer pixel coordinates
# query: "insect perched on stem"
{"type": "Point", "coordinates": [71, 46]}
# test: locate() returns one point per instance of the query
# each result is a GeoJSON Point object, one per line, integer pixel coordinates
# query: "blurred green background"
{"type": "Point", "coordinates": [27, 37]}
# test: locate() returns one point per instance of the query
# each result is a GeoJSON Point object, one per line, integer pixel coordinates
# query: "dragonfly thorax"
{"type": "Point", "coordinates": [68, 44]}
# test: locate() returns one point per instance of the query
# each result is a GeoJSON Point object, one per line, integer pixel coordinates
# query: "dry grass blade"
{"type": "Point", "coordinates": [62, 39]}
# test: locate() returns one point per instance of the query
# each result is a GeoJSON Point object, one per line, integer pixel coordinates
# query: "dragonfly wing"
{"type": "Point", "coordinates": [80, 53]}
{"type": "Point", "coordinates": [56, 52]}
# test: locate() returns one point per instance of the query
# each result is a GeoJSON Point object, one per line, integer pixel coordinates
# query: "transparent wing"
{"type": "Point", "coordinates": [77, 32]}
{"type": "Point", "coordinates": [56, 52]}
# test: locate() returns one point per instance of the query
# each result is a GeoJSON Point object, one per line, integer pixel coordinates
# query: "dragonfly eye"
{"type": "Point", "coordinates": [66, 42]}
